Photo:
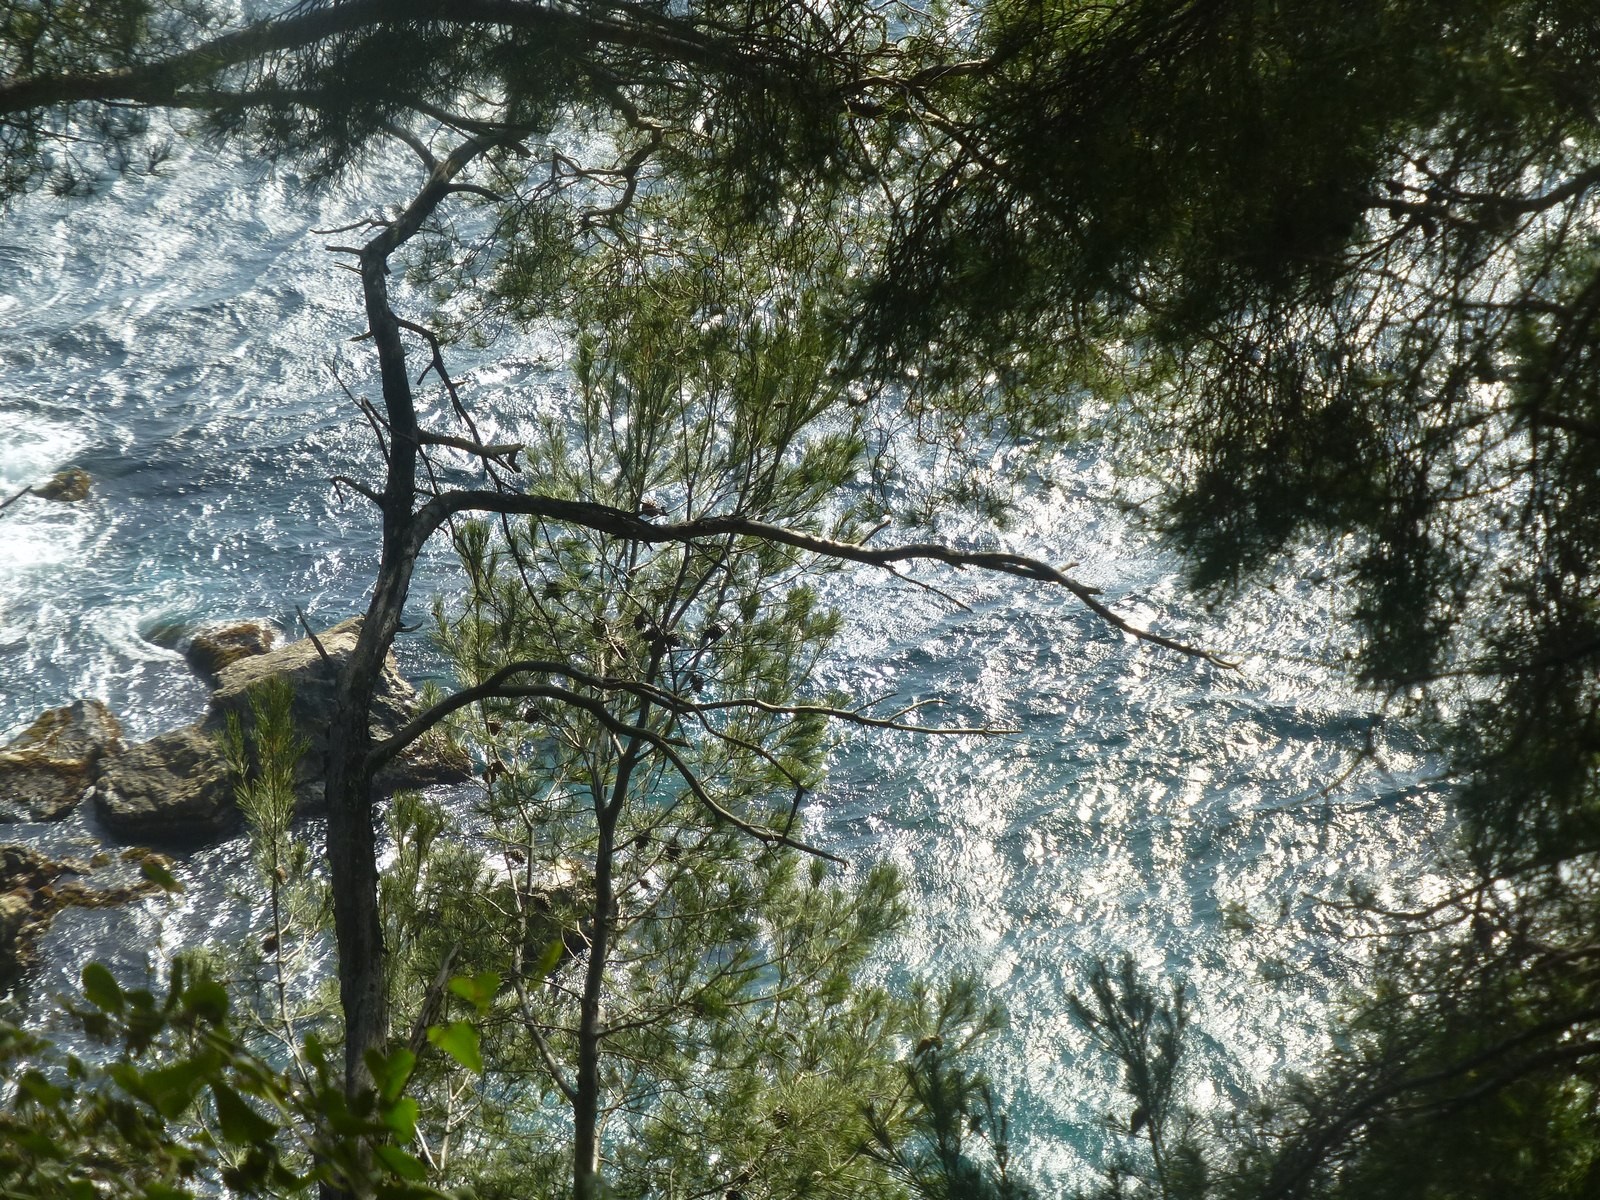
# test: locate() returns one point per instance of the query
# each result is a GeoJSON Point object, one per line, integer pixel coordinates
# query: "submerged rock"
{"type": "Point", "coordinates": [68, 486]}
{"type": "Point", "coordinates": [47, 768]}
{"type": "Point", "coordinates": [167, 632]}
{"type": "Point", "coordinates": [32, 891]}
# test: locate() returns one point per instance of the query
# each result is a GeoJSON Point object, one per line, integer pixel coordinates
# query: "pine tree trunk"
{"type": "Point", "coordinates": [586, 1180]}
{"type": "Point", "coordinates": [586, 1107]}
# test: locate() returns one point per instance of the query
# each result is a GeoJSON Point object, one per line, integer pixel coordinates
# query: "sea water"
{"type": "Point", "coordinates": [187, 340]}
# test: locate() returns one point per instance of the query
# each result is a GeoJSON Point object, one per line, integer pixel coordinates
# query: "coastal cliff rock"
{"type": "Point", "coordinates": [47, 768]}
{"type": "Point", "coordinates": [312, 680]}
{"type": "Point", "coordinates": [175, 787]}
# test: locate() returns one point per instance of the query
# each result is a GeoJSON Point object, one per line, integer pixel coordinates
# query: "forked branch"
{"type": "Point", "coordinates": [664, 747]}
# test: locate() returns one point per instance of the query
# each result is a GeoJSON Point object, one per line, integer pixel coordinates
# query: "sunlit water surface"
{"type": "Point", "coordinates": [179, 338]}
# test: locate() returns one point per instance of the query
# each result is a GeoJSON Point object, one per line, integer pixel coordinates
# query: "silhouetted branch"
{"type": "Point", "coordinates": [604, 518]}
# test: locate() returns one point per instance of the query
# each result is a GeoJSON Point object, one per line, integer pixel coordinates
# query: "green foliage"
{"type": "Point", "coordinates": [1333, 273]}
{"type": "Point", "coordinates": [642, 774]}
{"type": "Point", "coordinates": [1335, 276]}
{"type": "Point", "coordinates": [264, 759]}
{"type": "Point", "coordinates": [948, 1108]}
{"type": "Point", "coordinates": [179, 1103]}
{"type": "Point", "coordinates": [1146, 1034]}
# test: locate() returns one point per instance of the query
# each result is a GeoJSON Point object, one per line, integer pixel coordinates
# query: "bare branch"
{"type": "Point", "coordinates": [497, 450]}
{"type": "Point", "coordinates": [496, 687]}
{"type": "Point", "coordinates": [311, 633]}
{"type": "Point", "coordinates": [476, 190]}
{"type": "Point", "coordinates": [451, 387]}
{"type": "Point", "coordinates": [605, 518]}
{"type": "Point", "coordinates": [364, 223]}
{"type": "Point", "coordinates": [531, 1026]}
{"type": "Point", "coordinates": [172, 81]}
{"type": "Point", "coordinates": [356, 485]}
{"type": "Point", "coordinates": [665, 748]}
{"type": "Point", "coordinates": [630, 172]}
{"type": "Point", "coordinates": [418, 146]}
{"type": "Point", "coordinates": [432, 1003]}
{"type": "Point", "coordinates": [414, 728]}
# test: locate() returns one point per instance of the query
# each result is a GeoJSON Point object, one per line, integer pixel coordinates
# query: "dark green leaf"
{"type": "Point", "coordinates": [101, 989]}
{"type": "Point", "coordinates": [170, 1090]}
{"type": "Point", "coordinates": [549, 959]}
{"type": "Point", "coordinates": [401, 1163]}
{"type": "Point", "coordinates": [158, 874]}
{"type": "Point", "coordinates": [206, 999]}
{"type": "Point", "coordinates": [241, 1124]}
{"type": "Point", "coordinates": [40, 1089]}
{"type": "Point", "coordinates": [390, 1071]}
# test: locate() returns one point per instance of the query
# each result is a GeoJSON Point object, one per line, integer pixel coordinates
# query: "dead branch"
{"type": "Point", "coordinates": [355, 485]}
{"type": "Point", "coordinates": [311, 633]}
{"type": "Point", "coordinates": [417, 145]}
{"type": "Point", "coordinates": [604, 518]}
{"type": "Point", "coordinates": [497, 450]}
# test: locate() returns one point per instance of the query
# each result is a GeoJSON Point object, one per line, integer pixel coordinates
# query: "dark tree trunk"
{"type": "Point", "coordinates": [352, 837]}
{"type": "Point", "coordinates": [586, 1107]}
{"type": "Point", "coordinates": [591, 1032]}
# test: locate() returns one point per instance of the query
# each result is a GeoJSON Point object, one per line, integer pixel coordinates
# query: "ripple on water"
{"type": "Point", "coordinates": [181, 340]}
{"type": "Point", "coordinates": [1151, 805]}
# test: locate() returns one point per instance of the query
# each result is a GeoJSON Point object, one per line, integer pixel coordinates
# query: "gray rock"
{"type": "Point", "coordinates": [173, 788]}
{"type": "Point", "coordinates": [176, 788]}
{"type": "Point", "coordinates": [312, 679]}
{"type": "Point", "coordinates": [47, 768]}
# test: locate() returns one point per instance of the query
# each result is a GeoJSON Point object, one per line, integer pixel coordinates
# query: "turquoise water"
{"type": "Point", "coordinates": [180, 339]}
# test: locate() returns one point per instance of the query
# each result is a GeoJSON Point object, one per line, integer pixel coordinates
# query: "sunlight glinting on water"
{"type": "Point", "coordinates": [177, 338]}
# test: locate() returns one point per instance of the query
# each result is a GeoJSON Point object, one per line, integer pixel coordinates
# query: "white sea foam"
{"type": "Point", "coordinates": [32, 448]}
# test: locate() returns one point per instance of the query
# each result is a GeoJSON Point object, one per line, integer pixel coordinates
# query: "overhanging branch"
{"type": "Point", "coordinates": [176, 80]}
{"type": "Point", "coordinates": [663, 746]}
{"type": "Point", "coordinates": [500, 686]}
{"type": "Point", "coordinates": [604, 518]}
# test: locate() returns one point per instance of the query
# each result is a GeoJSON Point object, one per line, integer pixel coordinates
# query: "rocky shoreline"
{"type": "Point", "coordinates": [175, 789]}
